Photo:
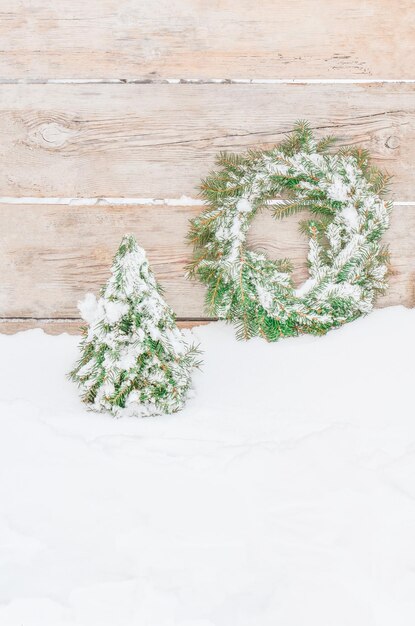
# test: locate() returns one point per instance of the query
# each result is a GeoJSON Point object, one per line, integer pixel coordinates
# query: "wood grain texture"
{"type": "Point", "coordinates": [159, 140]}
{"type": "Point", "coordinates": [54, 254]}
{"type": "Point", "coordinates": [51, 255]}
{"type": "Point", "coordinates": [144, 39]}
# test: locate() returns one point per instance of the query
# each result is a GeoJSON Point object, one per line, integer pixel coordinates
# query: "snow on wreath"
{"type": "Point", "coordinates": [135, 361]}
{"type": "Point", "coordinates": [347, 263]}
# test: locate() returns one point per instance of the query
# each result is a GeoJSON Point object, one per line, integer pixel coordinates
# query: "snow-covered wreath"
{"type": "Point", "coordinates": [347, 263]}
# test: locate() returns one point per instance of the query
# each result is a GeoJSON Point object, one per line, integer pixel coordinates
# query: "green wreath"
{"type": "Point", "coordinates": [347, 263]}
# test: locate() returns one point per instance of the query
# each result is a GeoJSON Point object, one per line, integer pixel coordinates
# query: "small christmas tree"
{"type": "Point", "coordinates": [135, 361]}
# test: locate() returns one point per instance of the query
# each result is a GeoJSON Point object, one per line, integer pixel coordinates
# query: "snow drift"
{"type": "Point", "coordinates": [283, 494]}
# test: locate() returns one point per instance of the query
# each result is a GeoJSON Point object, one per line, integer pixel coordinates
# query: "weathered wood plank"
{"type": "Point", "coordinates": [58, 326]}
{"type": "Point", "coordinates": [159, 140]}
{"type": "Point", "coordinates": [188, 39]}
{"type": "Point", "coordinates": [51, 255]}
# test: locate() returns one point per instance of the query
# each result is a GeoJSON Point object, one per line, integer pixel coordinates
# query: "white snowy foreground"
{"type": "Point", "coordinates": [283, 495]}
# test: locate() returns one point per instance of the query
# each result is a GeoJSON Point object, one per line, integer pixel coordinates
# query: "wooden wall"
{"type": "Point", "coordinates": [112, 111]}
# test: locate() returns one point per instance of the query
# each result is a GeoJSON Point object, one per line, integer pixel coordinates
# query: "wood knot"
{"type": "Point", "coordinates": [392, 142]}
{"type": "Point", "coordinates": [51, 135]}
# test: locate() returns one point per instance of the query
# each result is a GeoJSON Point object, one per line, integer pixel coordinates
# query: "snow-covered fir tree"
{"type": "Point", "coordinates": [135, 361]}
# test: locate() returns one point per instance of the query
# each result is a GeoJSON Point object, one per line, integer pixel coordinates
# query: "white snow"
{"type": "Point", "coordinates": [88, 308]}
{"type": "Point", "coordinates": [244, 206]}
{"type": "Point", "coordinates": [264, 297]}
{"type": "Point", "coordinates": [92, 310]}
{"type": "Point", "coordinates": [350, 216]}
{"type": "Point", "coordinates": [337, 190]}
{"type": "Point", "coordinates": [115, 311]}
{"type": "Point", "coordinates": [305, 287]}
{"type": "Point", "coordinates": [284, 493]}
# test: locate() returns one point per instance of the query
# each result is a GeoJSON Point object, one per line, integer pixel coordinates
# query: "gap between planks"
{"type": "Point", "coordinates": [204, 81]}
{"type": "Point", "coordinates": [116, 201]}
{"type": "Point", "coordinates": [71, 325]}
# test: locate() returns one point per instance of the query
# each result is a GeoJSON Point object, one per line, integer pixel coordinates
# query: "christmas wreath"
{"type": "Point", "coordinates": [347, 263]}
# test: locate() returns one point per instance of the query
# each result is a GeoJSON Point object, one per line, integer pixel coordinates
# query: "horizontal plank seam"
{"type": "Point", "coordinates": [46, 320]}
{"type": "Point", "coordinates": [204, 81]}
{"type": "Point", "coordinates": [117, 201]}
{"type": "Point", "coordinates": [102, 201]}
